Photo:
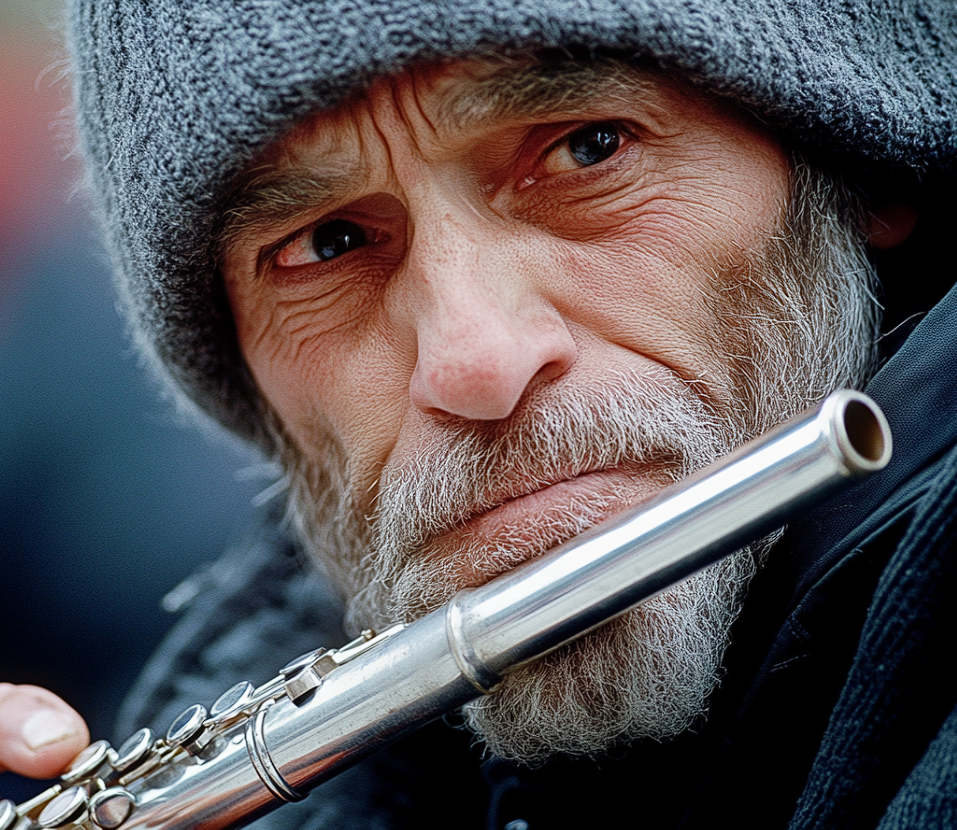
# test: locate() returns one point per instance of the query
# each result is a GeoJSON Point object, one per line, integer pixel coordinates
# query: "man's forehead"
{"type": "Point", "coordinates": [468, 94]}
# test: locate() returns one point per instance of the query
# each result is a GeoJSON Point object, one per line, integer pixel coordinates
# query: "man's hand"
{"type": "Point", "coordinates": [39, 733]}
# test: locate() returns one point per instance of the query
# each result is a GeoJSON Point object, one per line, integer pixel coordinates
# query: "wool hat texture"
{"type": "Point", "coordinates": [175, 98]}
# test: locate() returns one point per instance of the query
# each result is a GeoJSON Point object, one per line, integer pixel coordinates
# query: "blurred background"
{"type": "Point", "coordinates": [106, 502]}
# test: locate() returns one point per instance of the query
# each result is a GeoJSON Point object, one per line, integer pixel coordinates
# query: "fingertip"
{"type": "Point", "coordinates": [39, 734]}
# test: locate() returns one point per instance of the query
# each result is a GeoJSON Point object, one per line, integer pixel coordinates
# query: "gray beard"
{"type": "Point", "coordinates": [799, 321]}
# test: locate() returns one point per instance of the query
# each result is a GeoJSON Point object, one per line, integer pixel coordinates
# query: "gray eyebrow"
{"type": "Point", "coordinates": [543, 89]}
{"type": "Point", "coordinates": [270, 197]}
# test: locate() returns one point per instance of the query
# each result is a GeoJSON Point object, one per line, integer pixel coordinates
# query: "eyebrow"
{"type": "Point", "coordinates": [544, 89]}
{"type": "Point", "coordinates": [270, 196]}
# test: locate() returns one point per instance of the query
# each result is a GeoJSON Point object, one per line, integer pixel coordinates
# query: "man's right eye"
{"type": "Point", "coordinates": [321, 244]}
{"type": "Point", "coordinates": [336, 238]}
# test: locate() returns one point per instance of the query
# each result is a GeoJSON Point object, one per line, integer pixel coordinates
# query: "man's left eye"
{"type": "Point", "coordinates": [585, 147]}
{"type": "Point", "coordinates": [594, 143]}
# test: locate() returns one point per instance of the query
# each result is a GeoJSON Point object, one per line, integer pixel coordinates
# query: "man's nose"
{"type": "Point", "coordinates": [485, 333]}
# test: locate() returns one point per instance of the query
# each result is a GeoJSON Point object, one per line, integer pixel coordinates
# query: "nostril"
{"type": "Point", "coordinates": [563, 358]}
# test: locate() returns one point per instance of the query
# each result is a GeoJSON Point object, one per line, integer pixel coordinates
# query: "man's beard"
{"type": "Point", "coordinates": [798, 319]}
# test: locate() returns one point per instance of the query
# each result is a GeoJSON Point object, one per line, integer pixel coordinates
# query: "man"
{"type": "Point", "coordinates": [480, 284]}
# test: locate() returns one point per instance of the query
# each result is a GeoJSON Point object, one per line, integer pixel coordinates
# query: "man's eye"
{"type": "Point", "coordinates": [590, 145]}
{"type": "Point", "coordinates": [328, 241]}
{"type": "Point", "coordinates": [594, 143]}
{"type": "Point", "coordinates": [336, 238]}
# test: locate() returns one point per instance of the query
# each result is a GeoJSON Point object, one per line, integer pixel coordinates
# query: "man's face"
{"type": "Point", "coordinates": [507, 300]}
{"type": "Point", "coordinates": [469, 243]}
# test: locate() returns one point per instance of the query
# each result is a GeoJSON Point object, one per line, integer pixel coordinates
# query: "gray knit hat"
{"type": "Point", "coordinates": [175, 97]}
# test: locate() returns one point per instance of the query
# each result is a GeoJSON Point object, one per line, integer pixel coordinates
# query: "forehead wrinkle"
{"type": "Point", "coordinates": [421, 110]}
{"type": "Point", "coordinates": [541, 90]}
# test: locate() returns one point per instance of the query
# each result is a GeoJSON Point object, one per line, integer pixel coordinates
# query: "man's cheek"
{"type": "Point", "coordinates": [645, 270]}
{"type": "Point", "coordinates": [657, 228]}
{"type": "Point", "coordinates": [362, 394]}
{"type": "Point", "coordinates": [294, 345]}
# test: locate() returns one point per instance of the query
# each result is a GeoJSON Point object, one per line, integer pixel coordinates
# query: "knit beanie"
{"type": "Point", "coordinates": [175, 98]}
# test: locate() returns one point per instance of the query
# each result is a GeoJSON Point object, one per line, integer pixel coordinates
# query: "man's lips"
{"type": "Point", "coordinates": [525, 519]}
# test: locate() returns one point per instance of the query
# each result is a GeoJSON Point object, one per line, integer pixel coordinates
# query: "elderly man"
{"type": "Point", "coordinates": [482, 277]}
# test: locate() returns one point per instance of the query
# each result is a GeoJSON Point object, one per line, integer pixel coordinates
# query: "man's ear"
{"type": "Point", "coordinates": [890, 224]}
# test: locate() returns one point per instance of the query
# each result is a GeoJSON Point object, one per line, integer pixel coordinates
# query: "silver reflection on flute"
{"type": "Point", "coordinates": [259, 748]}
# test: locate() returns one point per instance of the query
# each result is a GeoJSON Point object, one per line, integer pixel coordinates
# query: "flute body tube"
{"type": "Point", "coordinates": [329, 709]}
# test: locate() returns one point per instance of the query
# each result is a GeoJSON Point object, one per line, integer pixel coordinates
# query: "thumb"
{"type": "Point", "coordinates": [39, 734]}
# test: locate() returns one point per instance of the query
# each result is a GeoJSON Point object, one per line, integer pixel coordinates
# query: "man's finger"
{"type": "Point", "coordinates": [39, 733]}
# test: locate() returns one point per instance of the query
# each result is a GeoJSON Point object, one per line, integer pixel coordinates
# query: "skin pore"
{"type": "Point", "coordinates": [490, 303]}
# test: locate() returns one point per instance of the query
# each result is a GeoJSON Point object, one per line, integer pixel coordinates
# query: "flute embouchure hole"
{"type": "Point", "coordinates": [864, 431]}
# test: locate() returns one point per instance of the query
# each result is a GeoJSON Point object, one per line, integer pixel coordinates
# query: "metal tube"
{"type": "Point", "coordinates": [614, 566]}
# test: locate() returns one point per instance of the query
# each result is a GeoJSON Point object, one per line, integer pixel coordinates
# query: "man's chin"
{"type": "Point", "coordinates": [647, 674]}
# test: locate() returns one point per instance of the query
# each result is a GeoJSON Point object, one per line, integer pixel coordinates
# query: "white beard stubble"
{"type": "Point", "coordinates": [799, 321]}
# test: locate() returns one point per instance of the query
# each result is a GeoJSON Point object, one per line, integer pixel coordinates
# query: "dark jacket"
{"type": "Point", "coordinates": [837, 709]}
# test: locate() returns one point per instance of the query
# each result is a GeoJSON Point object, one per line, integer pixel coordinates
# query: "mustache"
{"type": "Point", "coordinates": [464, 469]}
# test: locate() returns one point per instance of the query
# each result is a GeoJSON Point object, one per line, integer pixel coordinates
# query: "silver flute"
{"type": "Point", "coordinates": [257, 748]}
